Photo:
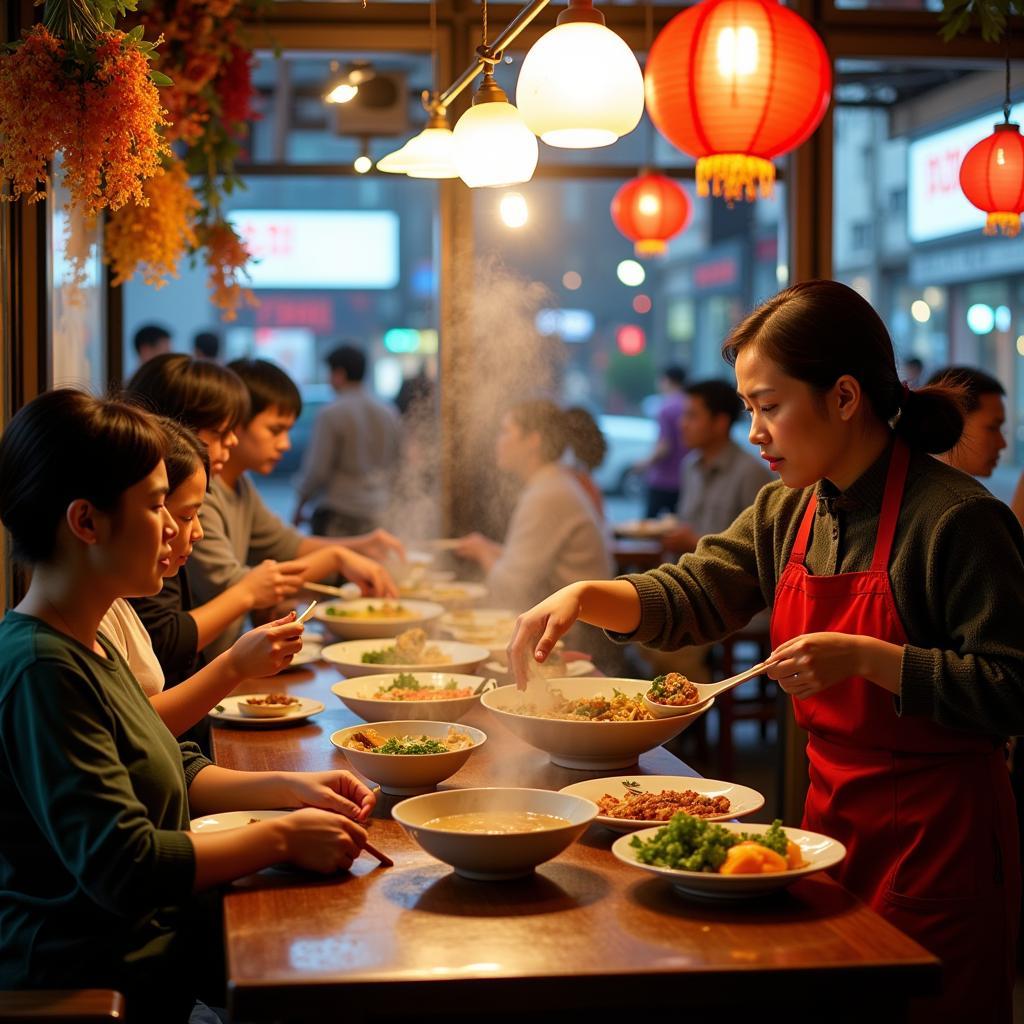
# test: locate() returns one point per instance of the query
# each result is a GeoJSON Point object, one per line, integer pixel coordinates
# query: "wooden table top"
{"type": "Point", "coordinates": [378, 942]}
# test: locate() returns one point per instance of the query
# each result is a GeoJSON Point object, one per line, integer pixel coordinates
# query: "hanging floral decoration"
{"type": "Point", "coordinates": [209, 109]}
{"type": "Point", "coordinates": [78, 86]}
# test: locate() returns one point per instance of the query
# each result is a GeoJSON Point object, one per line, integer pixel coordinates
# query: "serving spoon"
{"type": "Point", "coordinates": [707, 692]}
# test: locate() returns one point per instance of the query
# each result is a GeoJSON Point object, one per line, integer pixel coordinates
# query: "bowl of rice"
{"type": "Point", "coordinates": [413, 696]}
{"type": "Point", "coordinates": [586, 723]}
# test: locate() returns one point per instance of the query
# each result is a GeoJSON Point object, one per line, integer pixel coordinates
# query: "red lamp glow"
{"type": "Point", "coordinates": [737, 83]}
{"type": "Point", "coordinates": [992, 178]}
{"type": "Point", "coordinates": [649, 210]}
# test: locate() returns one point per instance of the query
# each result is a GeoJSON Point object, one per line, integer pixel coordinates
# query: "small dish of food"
{"type": "Point", "coordinates": [409, 756]}
{"type": "Point", "coordinates": [430, 696]}
{"type": "Point", "coordinates": [370, 618]}
{"type": "Point", "coordinates": [265, 709]}
{"type": "Point", "coordinates": [727, 861]}
{"type": "Point", "coordinates": [228, 820]}
{"type": "Point", "coordinates": [589, 723]}
{"type": "Point", "coordinates": [488, 627]}
{"type": "Point", "coordinates": [411, 651]}
{"type": "Point", "coordinates": [632, 802]}
{"type": "Point", "coordinates": [493, 834]}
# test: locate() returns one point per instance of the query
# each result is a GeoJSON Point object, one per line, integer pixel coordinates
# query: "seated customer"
{"type": "Point", "coordinates": [555, 535]}
{"type": "Point", "coordinates": [98, 868]}
{"type": "Point", "coordinates": [239, 530]}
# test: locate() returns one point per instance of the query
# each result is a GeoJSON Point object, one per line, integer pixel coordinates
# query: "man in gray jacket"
{"type": "Point", "coordinates": [351, 463]}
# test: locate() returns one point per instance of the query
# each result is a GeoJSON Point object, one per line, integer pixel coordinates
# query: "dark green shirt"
{"type": "Point", "coordinates": [94, 859]}
{"type": "Point", "coordinates": [957, 572]}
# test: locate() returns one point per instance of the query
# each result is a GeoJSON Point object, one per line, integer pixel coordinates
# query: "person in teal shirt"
{"type": "Point", "coordinates": [99, 874]}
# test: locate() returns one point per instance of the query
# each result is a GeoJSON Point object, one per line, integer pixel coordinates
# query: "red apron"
{"type": "Point", "coordinates": [926, 812]}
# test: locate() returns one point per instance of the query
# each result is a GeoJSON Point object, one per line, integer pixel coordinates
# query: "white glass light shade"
{"type": "Point", "coordinates": [580, 87]}
{"type": "Point", "coordinates": [431, 154]}
{"type": "Point", "coordinates": [395, 162]}
{"type": "Point", "coordinates": [493, 146]}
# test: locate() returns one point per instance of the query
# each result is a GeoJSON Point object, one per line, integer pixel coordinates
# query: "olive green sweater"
{"type": "Point", "coordinates": [957, 572]}
{"type": "Point", "coordinates": [94, 859]}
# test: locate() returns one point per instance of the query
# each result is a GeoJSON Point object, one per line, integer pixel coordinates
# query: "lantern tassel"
{"type": "Point", "coordinates": [1008, 223]}
{"type": "Point", "coordinates": [735, 176]}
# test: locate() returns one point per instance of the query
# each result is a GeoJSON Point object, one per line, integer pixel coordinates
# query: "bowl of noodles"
{"type": "Point", "coordinates": [586, 723]}
{"type": "Point", "coordinates": [410, 696]}
{"type": "Point", "coordinates": [411, 651]}
{"type": "Point", "coordinates": [373, 617]}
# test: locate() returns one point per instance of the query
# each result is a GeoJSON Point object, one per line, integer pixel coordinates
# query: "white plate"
{"type": "Point", "coordinates": [564, 670]}
{"type": "Point", "coordinates": [309, 652]}
{"type": "Point", "coordinates": [403, 774]}
{"type": "Point", "coordinates": [348, 656]}
{"type": "Point", "coordinates": [420, 614]}
{"type": "Point", "coordinates": [643, 529]}
{"type": "Point", "coordinates": [304, 709]}
{"type": "Point", "coordinates": [357, 695]}
{"type": "Point", "coordinates": [582, 744]}
{"type": "Point", "coordinates": [453, 594]}
{"type": "Point", "coordinates": [742, 800]}
{"type": "Point", "coordinates": [229, 820]}
{"type": "Point", "coordinates": [820, 852]}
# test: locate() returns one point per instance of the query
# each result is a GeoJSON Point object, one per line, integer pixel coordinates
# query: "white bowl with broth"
{"type": "Point", "coordinates": [494, 834]}
{"type": "Point", "coordinates": [402, 774]}
{"type": "Point", "coordinates": [348, 656]}
{"type": "Point", "coordinates": [370, 618]}
{"type": "Point", "coordinates": [358, 695]}
{"type": "Point", "coordinates": [584, 744]}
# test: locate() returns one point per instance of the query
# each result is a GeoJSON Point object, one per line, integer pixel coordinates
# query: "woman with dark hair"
{"type": "Point", "coordinates": [586, 449]}
{"type": "Point", "coordinates": [98, 867]}
{"type": "Point", "coordinates": [555, 535]}
{"type": "Point", "coordinates": [212, 402]}
{"type": "Point", "coordinates": [895, 585]}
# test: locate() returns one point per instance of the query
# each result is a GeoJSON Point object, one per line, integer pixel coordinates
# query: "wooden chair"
{"type": "Point", "coordinates": [73, 1006]}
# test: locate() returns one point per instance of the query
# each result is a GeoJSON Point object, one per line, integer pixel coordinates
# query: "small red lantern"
{"type": "Point", "coordinates": [992, 178]}
{"type": "Point", "coordinates": [736, 83]}
{"type": "Point", "coordinates": [649, 210]}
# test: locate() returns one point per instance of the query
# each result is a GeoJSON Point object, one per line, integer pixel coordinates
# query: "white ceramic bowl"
{"type": "Point", "coordinates": [489, 627]}
{"type": "Point", "coordinates": [742, 800]}
{"type": "Point", "coordinates": [450, 593]}
{"type": "Point", "coordinates": [586, 745]}
{"type": "Point", "coordinates": [408, 773]}
{"type": "Point", "coordinates": [348, 656]}
{"type": "Point", "coordinates": [494, 857]}
{"type": "Point", "coordinates": [420, 614]}
{"type": "Point", "coordinates": [357, 695]}
{"type": "Point", "coordinates": [818, 851]}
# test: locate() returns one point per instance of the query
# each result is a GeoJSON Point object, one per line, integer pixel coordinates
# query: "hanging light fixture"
{"type": "Point", "coordinates": [992, 174]}
{"type": "Point", "coordinates": [736, 83]}
{"type": "Point", "coordinates": [493, 146]}
{"type": "Point", "coordinates": [580, 85]}
{"type": "Point", "coordinates": [649, 210]}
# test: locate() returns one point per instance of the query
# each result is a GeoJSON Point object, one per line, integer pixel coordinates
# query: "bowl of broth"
{"type": "Point", "coordinates": [494, 834]}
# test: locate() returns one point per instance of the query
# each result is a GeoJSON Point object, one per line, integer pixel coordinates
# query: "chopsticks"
{"type": "Point", "coordinates": [385, 860]}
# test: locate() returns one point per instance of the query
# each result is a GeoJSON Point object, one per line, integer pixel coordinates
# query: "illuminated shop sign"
{"type": "Point", "coordinates": [936, 206]}
{"type": "Point", "coordinates": [321, 248]}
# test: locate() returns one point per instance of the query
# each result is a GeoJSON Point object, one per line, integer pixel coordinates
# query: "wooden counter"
{"type": "Point", "coordinates": [585, 934]}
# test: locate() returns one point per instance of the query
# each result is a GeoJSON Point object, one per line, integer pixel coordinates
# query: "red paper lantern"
{"type": "Point", "coordinates": [992, 178]}
{"type": "Point", "coordinates": [736, 83]}
{"type": "Point", "coordinates": [649, 210]}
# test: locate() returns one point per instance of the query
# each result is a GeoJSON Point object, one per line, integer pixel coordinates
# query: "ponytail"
{"type": "Point", "coordinates": [585, 437]}
{"type": "Point", "coordinates": [818, 331]}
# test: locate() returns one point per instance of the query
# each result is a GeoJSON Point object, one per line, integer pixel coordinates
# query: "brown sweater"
{"type": "Point", "coordinates": [957, 572]}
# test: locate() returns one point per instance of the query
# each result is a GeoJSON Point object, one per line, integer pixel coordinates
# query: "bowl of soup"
{"type": "Point", "coordinates": [371, 618]}
{"type": "Point", "coordinates": [494, 834]}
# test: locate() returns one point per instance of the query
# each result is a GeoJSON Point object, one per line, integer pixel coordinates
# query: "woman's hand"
{"type": "Point", "coordinates": [337, 791]}
{"type": "Point", "coordinates": [317, 840]}
{"type": "Point", "coordinates": [266, 649]}
{"type": "Point", "coordinates": [478, 548]}
{"type": "Point", "coordinates": [378, 544]}
{"type": "Point", "coordinates": [808, 664]}
{"type": "Point", "coordinates": [373, 579]}
{"type": "Point", "coordinates": [270, 582]}
{"type": "Point", "coordinates": [538, 630]}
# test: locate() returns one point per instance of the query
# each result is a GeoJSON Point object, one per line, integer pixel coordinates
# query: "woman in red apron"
{"type": "Point", "coordinates": [896, 586]}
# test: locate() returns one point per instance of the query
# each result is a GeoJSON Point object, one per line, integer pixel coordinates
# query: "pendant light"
{"type": "Point", "coordinates": [580, 86]}
{"type": "Point", "coordinates": [736, 83]}
{"type": "Point", "coordinates": [992, 174]}
{"type": "Point", "coordinates": [649, 210]}
{"type": "Point", "coordinates": [493, 145]}
{"type": "Point", "coordinates": [431, 153]}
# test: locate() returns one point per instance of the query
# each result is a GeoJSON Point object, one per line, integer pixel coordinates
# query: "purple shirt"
{"type": "Point", "coordinates": [664, 472]}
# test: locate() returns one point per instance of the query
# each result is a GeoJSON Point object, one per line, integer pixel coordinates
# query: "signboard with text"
{"type": "Point", "coordinates": [936, 206]}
